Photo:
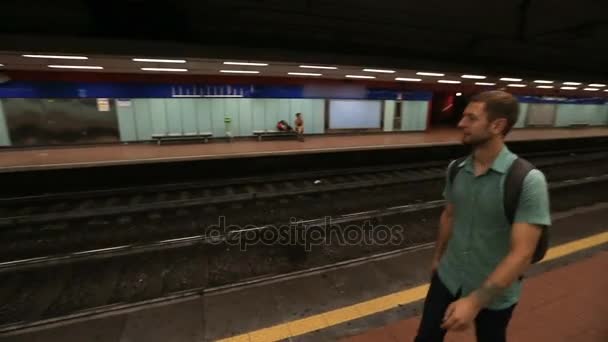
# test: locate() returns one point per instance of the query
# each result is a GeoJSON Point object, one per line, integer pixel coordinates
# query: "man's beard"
{"type": "Point", "coordinates": [476, 141]}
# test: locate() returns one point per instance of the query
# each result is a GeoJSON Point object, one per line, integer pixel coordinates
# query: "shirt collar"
{"type": "Point", "coordinates": [500, 164]}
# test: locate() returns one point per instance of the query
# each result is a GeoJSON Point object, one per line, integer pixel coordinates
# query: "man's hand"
{"type": "Point", "coordinates": [461, 314]}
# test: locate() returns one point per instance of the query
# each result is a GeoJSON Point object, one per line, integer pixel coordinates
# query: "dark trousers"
{"type": "Point", "coordinates": [490, 325]}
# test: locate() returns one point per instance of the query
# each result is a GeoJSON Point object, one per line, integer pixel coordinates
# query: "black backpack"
{"type": "Point", "coordinates": [512, 190]}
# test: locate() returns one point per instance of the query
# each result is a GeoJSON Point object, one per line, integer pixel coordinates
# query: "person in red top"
{"type": "Point", "coordinates": [283, 126]}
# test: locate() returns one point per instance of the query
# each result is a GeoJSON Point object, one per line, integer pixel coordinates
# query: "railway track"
{"type": "Point", "coordinates": [57, 289]}
{"type": "Point", "coordinates": [106, 203]}
{"type": "Point", "coordinates": [129, 233]}
{"type": "Point", "coordinates": [238, 234]}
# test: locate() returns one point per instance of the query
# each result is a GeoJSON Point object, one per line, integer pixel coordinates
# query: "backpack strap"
{"type": "Point", "coordinates": [513, 186]}
{"type": "Point", "coordinates": [454, 168]}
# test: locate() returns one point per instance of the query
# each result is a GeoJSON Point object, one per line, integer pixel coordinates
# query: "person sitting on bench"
{"type": "Point", "coordinates": [283, 126]}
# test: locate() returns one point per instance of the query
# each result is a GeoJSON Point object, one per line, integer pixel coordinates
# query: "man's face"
{"type": "Point", "coordinates": [475, 125]}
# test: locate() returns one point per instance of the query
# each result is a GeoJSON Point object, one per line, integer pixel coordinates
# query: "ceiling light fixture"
{"type": "Point", "coordinates": [318, 67]}
{"type": "Point", "coordinates": [485, 83]}
{"type": "Point", "coordinates": [75, 67]}
{"type": "Point", "coordinates": [359, 76]}
{"type": "Point", "coordinates": [407, 79]}
{"type": "Point", "coordinates": [477, 77]}
{"type": "Point", "coordinates": [304, 74]}
{"type": "Point", "coordinates": [516, 85]}
{"type": "Point", "coordinates": [508, 79]}
{"type": "Point", "coordinates": [380, 71]}
{"type": "Point", "coordinates": [246, 63]}
{"type": "Point", "coordinates": [421, 73]}
{"type": "Point", "coordinates": [448, 81]}
{"type": "Point", "coordinates": [55, 57]}
{"type": "Point", "coordinates": [151, 60]}
{"type": "Point", "coordinates": [240, 71]}
{"type": "Point", "coordinates": [164, 69]}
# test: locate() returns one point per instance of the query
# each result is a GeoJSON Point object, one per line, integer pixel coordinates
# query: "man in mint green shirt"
{"type": "Point", "coordinates": [479, 257]}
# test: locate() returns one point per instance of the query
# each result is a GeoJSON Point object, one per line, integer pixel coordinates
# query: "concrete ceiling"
{"type": "Point", "coordinates": [530, 39]}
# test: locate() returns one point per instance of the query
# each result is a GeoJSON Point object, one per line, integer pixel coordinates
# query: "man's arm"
{"type": "Point", "coordinates": [524, 237]}
{"type": "Point", "coordinates": [446, 221]}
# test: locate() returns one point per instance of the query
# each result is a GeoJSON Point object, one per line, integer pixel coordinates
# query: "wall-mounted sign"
{"type": "Point", "coordinates": [123, 103]}
{"type": "Point", "coordinates": [103, 105]}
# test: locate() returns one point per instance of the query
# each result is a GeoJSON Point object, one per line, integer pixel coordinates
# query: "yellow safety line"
{"type": "Point", "coordinates": [355, 311]}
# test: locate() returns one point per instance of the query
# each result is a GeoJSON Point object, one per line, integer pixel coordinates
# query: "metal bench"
{"type": "Point", "coordinates": [273, 133]}
{"type": "Point", "coordinates": [182, 136]}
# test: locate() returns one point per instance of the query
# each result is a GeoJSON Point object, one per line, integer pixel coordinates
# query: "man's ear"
{"type": "Point", "coordinates": [499, 125]}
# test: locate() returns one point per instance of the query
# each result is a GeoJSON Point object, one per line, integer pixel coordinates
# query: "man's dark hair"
{"type": "Point", "coordinates": [499, 104]}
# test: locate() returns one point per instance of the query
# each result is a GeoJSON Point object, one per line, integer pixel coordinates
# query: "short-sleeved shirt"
{"type": "Point", "coordinates": [481, 233]}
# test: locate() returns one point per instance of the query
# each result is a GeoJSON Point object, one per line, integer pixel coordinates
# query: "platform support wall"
{"type": "Point", "coordinates": [414, 115]}
{"type": "Point", "coordinates": [389, 115]}
{"type": "Point", "coordinates": [523, 112]}
{"type": "Point", "coordinates": [141, 115]}
{"type": "Point", "coordinates": [126, 120]}
{"type": "Point", "coordinates": [577, 114]}
{"type": "Point", "coordinates": [5, 139]}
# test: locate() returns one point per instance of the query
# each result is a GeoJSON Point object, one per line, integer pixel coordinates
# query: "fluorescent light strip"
{"type": "Point", "coordinates": [75, 67]}
{"type": "Point", "coordinates": [429, 74]}
{"type": "Point", "coordinates": [572, 83]}
{"type": "Point", "coordinates": [246, 63]}
{"type": "Point", "coordinates": [55, 57]}
{"type": "Point", "coordinates": [380, 71]}
{"type": "Point", "coordinates": [164, 69]}
{"type": "Point", "coordinates": [597, 85]}
{"type": "Point", "coordinates": [477, 77]}
{"type": "Point", "coordinates": [511, 79]}
{"type": "Point", "coordinates": [318, 67]}
{"type": "Point", "coordinates": [569, 88]}
{"type": "Point", "coordinates": [150, 60]}
{"type": "Point", "coordinates": [406, 79]}
{"type": "Point", "coordinates": [485, 83]}
{"type": "Point", "coordinates": [516, 85]}
{"type": "Point", "coordinates": [591, 89]}
{"type": "Point", "coordinates": [1, 65]}
{"type": "Point", "coordinates": [544, 86]}
{"type": "Point", "coordinates": [222, 95]}
{"type": "Point", "coordinates": [240, 71]}
{"type": "Point", "coordinates": [542, 81]}
{"type": "Point", "coordinates": [304, 74]}
{"type": "Point", "coordinates": [448, 81]}
{"type": "Point", "coordinates": [359, 76]}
